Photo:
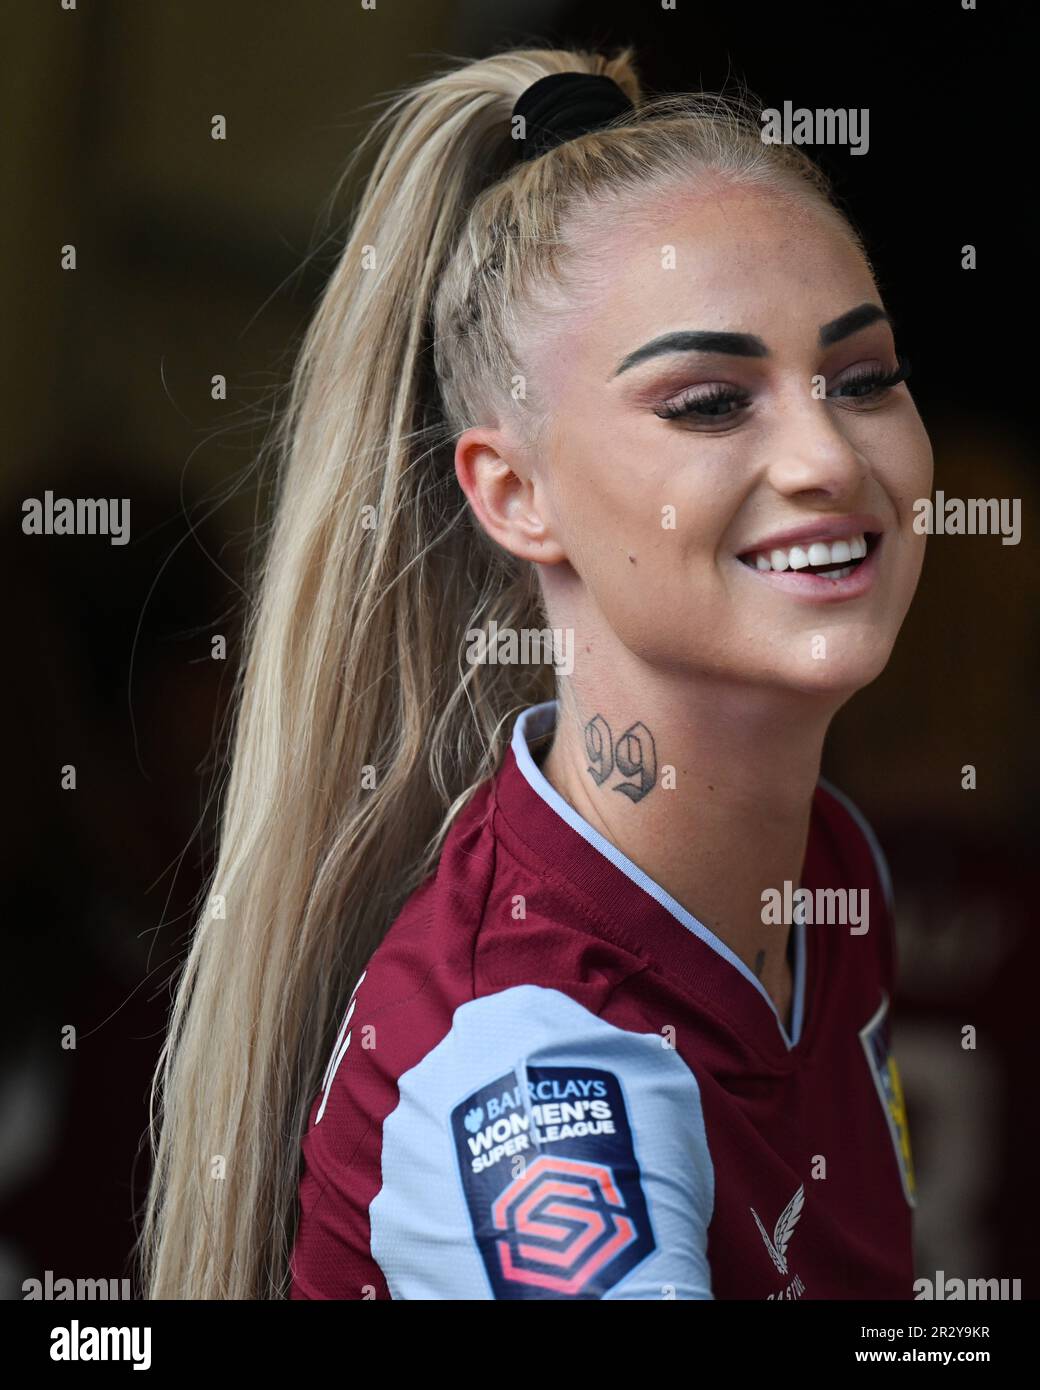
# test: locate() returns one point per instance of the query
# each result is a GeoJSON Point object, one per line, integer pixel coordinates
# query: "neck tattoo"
{"type": "Point", "coordinates": [630, 757]}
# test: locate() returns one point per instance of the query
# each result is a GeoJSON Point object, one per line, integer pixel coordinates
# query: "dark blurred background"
{"type": "Point", "coordinates": [199, 257]}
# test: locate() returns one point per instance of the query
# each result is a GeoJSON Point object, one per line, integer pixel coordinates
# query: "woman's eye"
{"type": "Point", "coordinates": [870, 383]}
{"type": "Point", "coordinates": [858, 387]}
{"type": "Point", "coordinates": [711, 405]}
{"type": "Point", "coordinates": [719, 404]}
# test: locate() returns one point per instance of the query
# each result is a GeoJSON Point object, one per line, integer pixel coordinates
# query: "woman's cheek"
{"type": "Point", "coordinates": [913, 465]}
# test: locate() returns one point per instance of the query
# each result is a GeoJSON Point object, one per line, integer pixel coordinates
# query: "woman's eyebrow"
{"type": "Point", "coordinates": [846, 324]}
{"type": "Point", "coordinates": [746, 344]}
{"type": "Point", "coordinates": [737, 344]}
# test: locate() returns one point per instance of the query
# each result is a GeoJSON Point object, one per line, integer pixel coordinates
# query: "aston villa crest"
{"type": "Point", "coordinates": [876, 1039]}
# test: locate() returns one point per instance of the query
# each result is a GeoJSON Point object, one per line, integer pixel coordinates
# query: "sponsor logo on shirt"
{"type": "Point", "coordinates": [552, 1184]}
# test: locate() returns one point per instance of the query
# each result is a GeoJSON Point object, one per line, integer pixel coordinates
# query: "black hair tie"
{"type": "Point", "coordinates": [564, 105]}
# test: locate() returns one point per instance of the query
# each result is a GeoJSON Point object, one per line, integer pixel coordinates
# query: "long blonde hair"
{"type": "Point", "coordinates": [360, 732]}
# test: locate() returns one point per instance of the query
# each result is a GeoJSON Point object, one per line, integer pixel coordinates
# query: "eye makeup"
{"type": "Point", "coordinates": [717, 402]}
{"type": "Point", "coordinates": [869, 381]}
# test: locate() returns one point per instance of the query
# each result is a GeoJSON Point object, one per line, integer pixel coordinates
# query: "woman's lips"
{"type": "Point", "coordinates": [817, 588]}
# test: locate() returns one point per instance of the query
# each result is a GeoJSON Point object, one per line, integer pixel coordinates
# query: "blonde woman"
{"type": "Point", "coordinates": [572, 982]}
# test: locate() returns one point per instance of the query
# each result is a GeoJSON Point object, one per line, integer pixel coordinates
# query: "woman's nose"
{"type": "Point", "coordinates": [811, 452]}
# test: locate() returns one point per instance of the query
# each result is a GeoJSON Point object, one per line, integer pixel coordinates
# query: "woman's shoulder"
{"type": "Point", "coordinates": [487, 920]}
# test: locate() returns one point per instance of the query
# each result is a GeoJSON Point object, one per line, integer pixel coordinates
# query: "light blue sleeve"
{"type": "Point", "coordinates": [540, 1152]}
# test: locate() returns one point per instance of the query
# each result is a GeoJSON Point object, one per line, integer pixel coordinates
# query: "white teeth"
{"type": "Point", "coordinates": [797, 557]}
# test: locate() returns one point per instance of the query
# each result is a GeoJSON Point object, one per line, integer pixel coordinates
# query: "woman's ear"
{"type": "Point", "coordinates": [506, 498]}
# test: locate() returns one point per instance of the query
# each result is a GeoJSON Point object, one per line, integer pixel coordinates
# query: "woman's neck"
{"type": "Point", "coordinates": [708, 791]}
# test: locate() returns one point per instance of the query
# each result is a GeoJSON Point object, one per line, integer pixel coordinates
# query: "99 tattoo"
{"type": "Point", "coordinates": [633, 755]}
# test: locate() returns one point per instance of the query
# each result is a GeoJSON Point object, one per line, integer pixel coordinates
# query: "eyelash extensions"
{"type": "Point", "coordinates": [868, 383]}
{"type": "Point", "coordinates": [875, 382]}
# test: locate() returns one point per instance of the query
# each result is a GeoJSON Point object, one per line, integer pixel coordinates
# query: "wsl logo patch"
{"type": "Point", "coordinates": [876, 1039]}
{"type": "Point", "coordinates": [552, 1183]}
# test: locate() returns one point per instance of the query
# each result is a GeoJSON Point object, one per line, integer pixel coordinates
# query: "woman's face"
{"type": "Point", "coordinates": [716, 435]}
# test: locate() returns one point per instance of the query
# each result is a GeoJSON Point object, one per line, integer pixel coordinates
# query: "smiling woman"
{"type": "Point", "coordinates": [516, 1017]}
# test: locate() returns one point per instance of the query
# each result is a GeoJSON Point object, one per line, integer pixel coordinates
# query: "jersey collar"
{"type": "Point", "coordinates": [623, 893]}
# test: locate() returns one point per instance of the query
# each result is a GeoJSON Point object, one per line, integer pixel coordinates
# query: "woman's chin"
{"type": "Point", "coordinates": [837, 676]}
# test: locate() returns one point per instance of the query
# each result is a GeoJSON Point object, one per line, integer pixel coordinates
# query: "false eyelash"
{"type": "Point", "coordinates": [877, 381]}
{"type": "Point", "coordinates": [711, 396]}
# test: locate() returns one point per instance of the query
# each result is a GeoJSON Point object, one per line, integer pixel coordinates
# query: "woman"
{"type": "Point", "coordinates": [621, 373]}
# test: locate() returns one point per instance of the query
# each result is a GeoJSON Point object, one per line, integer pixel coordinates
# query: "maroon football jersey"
{"type": "Point", "coordinates": [552, 1081]}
